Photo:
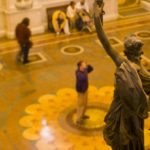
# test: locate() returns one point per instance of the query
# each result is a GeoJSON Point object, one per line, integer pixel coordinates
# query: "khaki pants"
{"type": "Point", "coordinates": [72, 22]}
{"type": "Point", "coordinates": [82, 104]}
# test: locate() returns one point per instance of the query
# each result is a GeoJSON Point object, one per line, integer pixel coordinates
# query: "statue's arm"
{"type": "Point", "coordinates": [117, 58]}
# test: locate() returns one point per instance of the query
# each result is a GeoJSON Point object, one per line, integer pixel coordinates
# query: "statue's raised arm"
{"type": "Point", "coordinates": [98, 19]}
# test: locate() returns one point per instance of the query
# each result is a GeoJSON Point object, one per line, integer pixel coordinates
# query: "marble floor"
{"type": "Point", "coordinates": [38, 100]}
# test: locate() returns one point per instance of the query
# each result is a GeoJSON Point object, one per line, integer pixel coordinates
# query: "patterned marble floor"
{"type": "Point", "coordinates": [128, 3]}
{"type": "Point", "coordinates": [38, 100]}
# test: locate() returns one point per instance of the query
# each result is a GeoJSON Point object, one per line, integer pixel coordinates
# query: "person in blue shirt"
{"type": "Point", "coordinates": [82, 89]}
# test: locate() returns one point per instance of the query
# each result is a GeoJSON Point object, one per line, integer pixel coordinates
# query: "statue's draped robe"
{"type": "Point", "coordinates": [125, 118]}
{"type": "Point", "coordinates": [124, 129]}
{"type": "Point", "coordinates": [145, 78]}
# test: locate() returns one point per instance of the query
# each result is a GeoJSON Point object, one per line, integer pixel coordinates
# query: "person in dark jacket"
{"type": "Point", "coordinates": [82, 88]}
{"type": "Point", "coordinates": [23, 35]}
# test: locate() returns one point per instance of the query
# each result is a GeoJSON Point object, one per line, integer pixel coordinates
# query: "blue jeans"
{"type": "Point", "coordinates": [23, 52]}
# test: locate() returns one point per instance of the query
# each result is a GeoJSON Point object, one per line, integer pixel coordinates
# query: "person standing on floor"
{"type": "Point", "coordinates": [82, 89]}
{"type": "Point", "coordinates": [23, 35]}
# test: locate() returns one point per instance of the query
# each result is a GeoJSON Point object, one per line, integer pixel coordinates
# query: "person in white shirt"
{"type": "Point", "coordinates": [84, 21]}
{"type": "Point", "coordinates": [82, 6]}
{"type": "Point", "coordinates": [71, 14]}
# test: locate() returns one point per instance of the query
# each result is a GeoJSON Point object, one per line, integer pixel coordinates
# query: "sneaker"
{"type": "Point", "coordinates": [25, 62]}
{"type": "Point", "coordinates": [79, 122]}
{"type": "Point", "coordinates": [85, 117]}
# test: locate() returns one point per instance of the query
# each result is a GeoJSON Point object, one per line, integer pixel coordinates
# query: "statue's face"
{"type": "Point", "coordinates": [139, 50]}
{"type": "Point", "coordinates": [136, 55]}
{"type": "Point", "coordinates": [140, 53]}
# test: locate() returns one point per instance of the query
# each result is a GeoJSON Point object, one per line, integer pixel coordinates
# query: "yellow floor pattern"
{"type": "Point", "coordinates": [41, 124]}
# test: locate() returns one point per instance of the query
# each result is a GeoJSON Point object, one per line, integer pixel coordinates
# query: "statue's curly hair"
{"type": "Point", "coordinates": [132, 45]}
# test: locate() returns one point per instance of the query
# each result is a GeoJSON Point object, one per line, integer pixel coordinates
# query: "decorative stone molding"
{"type": "Point", "coordinates": [13, 17]}
{"type": "Point", "coordinates": [24, 4]}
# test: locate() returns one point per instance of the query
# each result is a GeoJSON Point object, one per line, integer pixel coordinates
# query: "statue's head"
{"type": "Point", "coordinates": [133, 46]}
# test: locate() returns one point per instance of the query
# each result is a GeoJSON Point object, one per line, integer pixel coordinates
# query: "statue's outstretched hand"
{"type": "Point", "coordinates": [98, 8]}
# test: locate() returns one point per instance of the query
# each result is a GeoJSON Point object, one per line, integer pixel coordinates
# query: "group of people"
{"type": "Point", "coordinates": [77, 16]}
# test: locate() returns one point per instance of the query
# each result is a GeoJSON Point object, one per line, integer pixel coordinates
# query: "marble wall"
{"type": "Point", "coordinates": [111, 8]}
{"type": "Point", "coordinates": [10, 16]}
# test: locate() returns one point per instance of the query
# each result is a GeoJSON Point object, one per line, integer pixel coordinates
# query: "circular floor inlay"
{"type": "Point", "coordinates": [51, 121]}
{"type": "Point", "coordinates": [72, 50]}
{"type": "Point", "coordinates": [143, 34]}
{"type": "Point", "coordinates": [88, 127]}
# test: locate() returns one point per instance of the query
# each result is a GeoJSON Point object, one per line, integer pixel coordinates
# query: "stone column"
{"type": "Point", "coordinates": [2, 30]}
{"type": "Point", "coordinates": [15, 12]}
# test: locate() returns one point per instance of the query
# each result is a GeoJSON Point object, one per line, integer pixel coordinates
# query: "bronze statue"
{"type": "Point", "coordinates": [124, 129]}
